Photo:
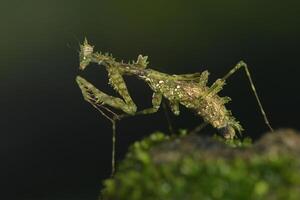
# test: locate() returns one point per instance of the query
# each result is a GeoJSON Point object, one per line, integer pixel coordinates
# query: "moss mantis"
{"type": "Point", "coordinates": [189, 90]}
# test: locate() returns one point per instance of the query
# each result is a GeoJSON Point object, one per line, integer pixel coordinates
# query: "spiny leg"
{"type": "Point", "coordinates": [97, 98]}
{"type": "Point", "coordinates": [216, 87]}
{"type": "Point", "coordinates": [117, 82]}
{"type": "Point", "coordinates": [242, 64]}
{"type": "Point", "coordinates": [156, 101]}
{"type": "Point", "coordinates": [197, 77]}
{"type": "Point", "coordinates": [183, 77]}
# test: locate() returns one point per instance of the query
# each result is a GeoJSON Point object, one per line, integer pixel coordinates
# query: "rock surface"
{"type": "Point", "coordinates": [193, 167]}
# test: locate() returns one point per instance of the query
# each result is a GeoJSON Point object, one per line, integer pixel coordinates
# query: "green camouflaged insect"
{"type": "Point", "coordinates": [189, 90]}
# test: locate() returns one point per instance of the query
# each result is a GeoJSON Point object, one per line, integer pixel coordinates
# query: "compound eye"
{"type": "Point", "coordinates": [228, 132]}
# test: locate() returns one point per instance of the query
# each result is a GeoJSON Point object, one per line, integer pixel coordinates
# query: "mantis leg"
{"type": "Point", "coordinates": [240, 65]}
{"type": "Point", "coordinates": [117, 82]}
{"type": "Point", "coordinates": [99, 98]}
{"type": "Point", "coordinates": [197, 77]}
{"type": "Point", "coordinates": [156, 101]}
{"type": "Point", "coordinates": [182, 77]}
{"type": "Point", "coordinates": [174, 105]}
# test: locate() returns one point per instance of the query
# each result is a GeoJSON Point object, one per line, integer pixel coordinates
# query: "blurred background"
{"type": "Point", "coordinates": [55, 146]}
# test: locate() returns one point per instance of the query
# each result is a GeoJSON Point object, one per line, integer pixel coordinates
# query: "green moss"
{"type": "Point", "coordinates": [193, 167]}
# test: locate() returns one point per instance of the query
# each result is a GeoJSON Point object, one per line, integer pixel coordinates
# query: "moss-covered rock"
{"type": "Point", "coordinates": [191, 167]}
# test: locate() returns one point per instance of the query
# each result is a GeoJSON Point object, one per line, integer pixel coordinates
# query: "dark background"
{"type": "Point", "coordinates": [55, 146]}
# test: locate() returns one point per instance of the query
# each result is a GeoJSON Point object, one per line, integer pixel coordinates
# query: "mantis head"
{"type": "Point", "coordinates": [85, 54]}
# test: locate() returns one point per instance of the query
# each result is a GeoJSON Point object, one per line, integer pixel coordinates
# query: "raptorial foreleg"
{"type": "Point", "coordinates": [96, 97]}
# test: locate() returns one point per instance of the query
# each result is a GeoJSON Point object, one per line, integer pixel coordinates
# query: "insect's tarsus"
{"type": "Point", "coordinates": [189, 90]}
